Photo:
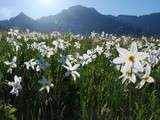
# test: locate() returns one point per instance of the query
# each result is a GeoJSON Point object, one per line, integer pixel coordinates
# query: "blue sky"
{"type": "Point", "coordinates": [38, 8]}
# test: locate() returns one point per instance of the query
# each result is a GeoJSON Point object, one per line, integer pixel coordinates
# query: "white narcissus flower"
{"type": "Point", "coordinates": [129, 75]}
{"type": "Point", "coordinates": [46, 84]}
{"type": "Point", "coordinates": [146, 77]}
{"type": "Point", "coordinates": [60, 44]}
{"type": "Point", "coordinates": [99, 50]}
{"type": "Point", "coordinates": [71, 70]}
{"type": "Point", "coordinates": [16, 85]}
{"type": "Point", "coordinates": [11, 64]}
{"type": "Point", "coordinates": [107, 54]}
{"type": "Point", "coordinates": [77, 45]}
{"type": "Point", "coordinates": [153, 57]}
{"type": "Point", "coordinates": [30, 64]}
{"type": "Point", "coordinates": [71, 58]}
{"type": "Point", "coordinates": [87, 57]}
{"type": "Point", "coordinates": [131, 59]}
{"type": "Point", "coordinates": [43, 49]}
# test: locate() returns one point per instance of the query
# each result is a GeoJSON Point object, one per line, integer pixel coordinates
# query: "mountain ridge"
{"type": "Point", "coordinates": [80, 19]}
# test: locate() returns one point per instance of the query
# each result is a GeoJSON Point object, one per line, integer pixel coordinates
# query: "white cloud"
{"type": "Point", "coordinates": [5, 13]}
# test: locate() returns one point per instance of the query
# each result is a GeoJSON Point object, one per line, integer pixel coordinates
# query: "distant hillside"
{"type": "Point", "coordinates": [81, 19]}
{"type": "Point", "coordinates": [21, 21]}
{"type": "Point", "coordinates": [150, 24]}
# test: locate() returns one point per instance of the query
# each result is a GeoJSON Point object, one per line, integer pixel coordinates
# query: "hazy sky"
{"type": "Point", "coordinates": [38, 8]}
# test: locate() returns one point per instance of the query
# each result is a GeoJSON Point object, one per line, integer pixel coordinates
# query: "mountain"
{"type": "Point", "coordinates": [21, 21]}
{"type": "Point", "coordinates": [148, 23]}
{"type": "Point", "coordinates": [80, 19]}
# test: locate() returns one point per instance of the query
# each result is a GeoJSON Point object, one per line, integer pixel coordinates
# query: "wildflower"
{"type": "Point", "coordinates": [153, 57]}
{"type": "Point", "coordinates": [46, 84]}
{"type": "Point", "coordinates": [16, 85]}
{"type": "Point", "coordinates": [30, 64]}
{"type": "Point", "coordinates": [93, 35]}
{"type": "Point", "coordinates": [99, 50]}
{"type": "Point", "coordinates": [43, 49]}
{"type": "Point", "coordinates": [71, 70]}
{"type": "Point", "coordinates": [131, 59]}
{"type": "Point", "coordinates": [128, 75]}
{"type": "Point", "coordinates": [60, 44]}
{"type": "Point", "coordinates": [146, 77]}
{"type": "Point", "coordinates": [77, 45]}
{"type": "Point", "coordinates": [85, 59]}
{"type": "Point", "coordinates": [46, 51]}
{"type": "Point", "coordinates": [11, 64]}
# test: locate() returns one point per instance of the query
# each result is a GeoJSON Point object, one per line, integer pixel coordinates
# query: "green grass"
{"type": "Point", "coordinates": [97, 95]}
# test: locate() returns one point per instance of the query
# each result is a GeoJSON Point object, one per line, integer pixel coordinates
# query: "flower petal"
{"type": "Point", "coordinates": [141, 55]}
{"type": "Point", "coordinates": [133, 78]}
{"type": "Point", "coordinates": [148, 70]}
{"type": "Point", "coordinates": [141, 84]}
{"type": "Point", "coordinates": [150, 80]}
{"type": "Point", "coordinates": [75, 67]}
{"type": "Point", "coordinates": [138, 66]}
{"type": "Point", "coordinates": [68, 63]}
{"type": "Point", "coordinates": [122, 51]}
{"type": "Point", "coordinates": [134, 47]}
{"type": "Point", "coordinates": [118, 60]}
{"type": "Point", "coordinates": [76, 73]}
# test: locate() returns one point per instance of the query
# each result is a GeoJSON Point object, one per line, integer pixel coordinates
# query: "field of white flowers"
{"type": "Point", "coordinates": [62, 76]}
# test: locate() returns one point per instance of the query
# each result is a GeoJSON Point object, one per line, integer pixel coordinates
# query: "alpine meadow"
{"type": "Point", "coordinates": [79, 64]}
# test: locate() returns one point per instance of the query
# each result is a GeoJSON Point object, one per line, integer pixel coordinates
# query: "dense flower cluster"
{"type": "Point", "coordinates": [135, 63]}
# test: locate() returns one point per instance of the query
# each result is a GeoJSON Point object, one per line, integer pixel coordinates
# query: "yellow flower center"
{"type": "Point", "coordinates": [146, 78]}
{"type": "Point", "coordinates": [131, 58]}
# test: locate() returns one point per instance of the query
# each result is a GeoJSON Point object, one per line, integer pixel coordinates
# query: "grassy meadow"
{"type": "Point", "coordinates": [63, 76]}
